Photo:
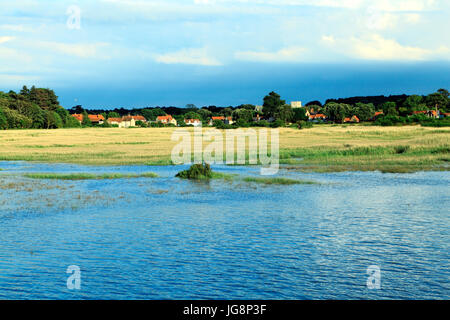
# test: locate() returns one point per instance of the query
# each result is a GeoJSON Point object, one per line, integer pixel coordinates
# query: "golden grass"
{"type": "Point", "coordinates": [115, 146]}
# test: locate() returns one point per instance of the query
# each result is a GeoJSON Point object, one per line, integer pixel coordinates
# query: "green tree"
{"type": "Point", "coordinates": [243, 115]}
{"type": "Point", "coordinates": [411, 104]}
{"type": "Point", "coordinates": [272, 104]}
{"type": "Point", "coordinates": [25, 92]}
{"type": "Point", "coordinates": [390, 108]}
{"type": "Point", "coordinates": [364, 111]}
{"type": "Point", "coordinates": [436, 100]}
{"type": "Point", "coordinates": [113, 114]}
{"type": "Point", "coordinates": [73, 123]}
{"type": "Point", "coordinates": [86, 121]}
{"type": "Point", "coordinates": [444, 92]}
{"type": "Point", "coordinates": [3, 121]}
{"type": "Point", "coordinates": [53, 120]}
{"type": "Point", "coordinates": [299, 114]}
{"type": "Point", "coordinates": [284, 113]}
{"type": "Point", "coordinates": [336, 111]}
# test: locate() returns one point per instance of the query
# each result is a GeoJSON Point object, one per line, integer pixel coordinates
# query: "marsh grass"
{"type": "Point", "coordinates": [322, 148]}
{"type": "Point", "coordinates": [224, 176]}
{"type": "Point", "coordinates": [88, 176]}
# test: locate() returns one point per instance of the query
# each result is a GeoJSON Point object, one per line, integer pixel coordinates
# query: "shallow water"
{"type": "Point", "coordinates": [165, 238]}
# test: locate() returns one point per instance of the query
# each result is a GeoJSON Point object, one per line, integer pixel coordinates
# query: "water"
{"type": "Point", "coordinates": [169, 239]}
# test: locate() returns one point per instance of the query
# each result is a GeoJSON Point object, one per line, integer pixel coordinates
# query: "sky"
{"type": "Point", "coordinates": [124, 53]}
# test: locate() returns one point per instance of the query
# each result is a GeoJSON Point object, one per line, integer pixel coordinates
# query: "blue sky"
{"type": "Point", "coordinates": [223, 52]}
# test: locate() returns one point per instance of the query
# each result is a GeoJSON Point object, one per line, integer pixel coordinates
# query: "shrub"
{"type": "Point", "coordinates": [401, 149]}
{"type": "Point", "coordinates": [262, 123]}
{"type": "Point", "coordinates": [196, 172]}
{"type": "Point", "coordinates": [277, 123]}
{"type": "Point", "coordinates": [304, 124]}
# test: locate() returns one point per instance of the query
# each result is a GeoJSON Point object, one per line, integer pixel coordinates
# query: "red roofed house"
{"type": "Point", "coordinates": [193, 122]}
{"type": "Point", "coordinates": [139, 118]}
{"type": "Point", "coordinates": [226, 120]}
{"type": "Point", "coordinates": [124, 122]}
{"type": "Point", "coordinates": [167, 119]}
{"type": "Point", "coordinates": [429, 113]}
{"type": "Point", "coordinates": [377, 114]}
{"type": "Point", "coordinates": [78, 116]}
{"type": "Point", "coordinates": [354, 119]}
{"type": "Point", "coordinates": [95, 118]}
{"type": "Point", "coordinates": [316, 117]}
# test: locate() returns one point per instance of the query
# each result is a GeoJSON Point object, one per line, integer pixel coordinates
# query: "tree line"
{"type": "Point", "coordinates": [34, 108]}
{"type": "Point", "coordinates": [39, 108]}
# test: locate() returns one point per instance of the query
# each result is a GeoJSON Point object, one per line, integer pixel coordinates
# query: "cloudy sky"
{"type": "Point", "coordinates": [123, 53]}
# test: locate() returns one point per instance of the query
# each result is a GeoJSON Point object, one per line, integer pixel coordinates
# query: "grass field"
{"type": "Point", "coordinates": [322, 148]}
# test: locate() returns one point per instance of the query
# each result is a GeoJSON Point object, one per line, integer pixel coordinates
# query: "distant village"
{"type": "Point", "coordinates": [312, 114]}
{"type": "Point", "coordinates": [39, 108]}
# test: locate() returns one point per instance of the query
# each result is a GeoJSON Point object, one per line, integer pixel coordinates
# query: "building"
{"type": "Point", "coordinates": [377, 114]}
{"type": "Point", "coordinates": [225, 120]}
{"type": "Point", "coordinates": [124, 122]}
{"type": "Point", "coordinates": [317, 117]}
{"type": "Point", "coordinates": [296, 104]}
{"type": "Point", "coordinates": [78, 116]}
{"type": "Point", "coordinates": [353, 119]}
{"type": "Point", "coordinates": [139, 118]}
{"type": "Point", "coordinates": [95, 118]}
{"type": "Point", "coordinates": [193, 122]}
{"type": "Point", "coordinates": [429, 113]}
{"type": "Point", "coordinates": [167, 119]}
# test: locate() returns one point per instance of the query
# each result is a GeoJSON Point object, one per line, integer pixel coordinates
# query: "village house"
{"type": "Point", "coordinates": [377, 114]}
{"type": "Point", "coordinates": [95, 118]}
{"type": "Point", "coordinates": [139, 118]}
{"type": "Point", "coordinates": [193, 122]}
{"type": "Point", "coordinates": [353, 119]}
{"type": "Point", "coordinates": [429, 113]}
{"type": "Point", "coordinates": [124, 122]}
{"type": "Point", "coordinates": [167, 119]}
{"type": "Point", "coordinates": [317, 117]}
{"type": "Point", "coordinates": [225, 120]}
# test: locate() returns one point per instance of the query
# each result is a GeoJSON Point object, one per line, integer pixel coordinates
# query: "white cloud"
{"type": "Point", "coordinates": [375, 47]}
{"type": "Point", "coordinates": [80, 50]}
{"type": "Point", "coordinates": [5, 39]}
{"type": "Point", "coordinates": [403, 5]}
{"type": "Point", "coordinates": [378, 48]}
{"type": "Point", "coordinates": [328, 39]}
{"type": "Point", "coordinates": [196, 56]}
{"type": "Point", "coordinates": [289, 54]}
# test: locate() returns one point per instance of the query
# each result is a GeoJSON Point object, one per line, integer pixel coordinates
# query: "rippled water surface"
{"type": "Point", "coordinates": [169, 239]}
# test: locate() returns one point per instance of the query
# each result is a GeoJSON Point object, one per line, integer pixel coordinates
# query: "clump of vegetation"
{"type": "Point", "coordinates": [196, 172]}
{"type": "Point", "coordinates": [302, 124]}
{"type": "Point", "coordinates": [88, 176]}
{"type": "Point", "coordinates": [401, 149]}
{"type": "Point", "coordinates": [273, 180]}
